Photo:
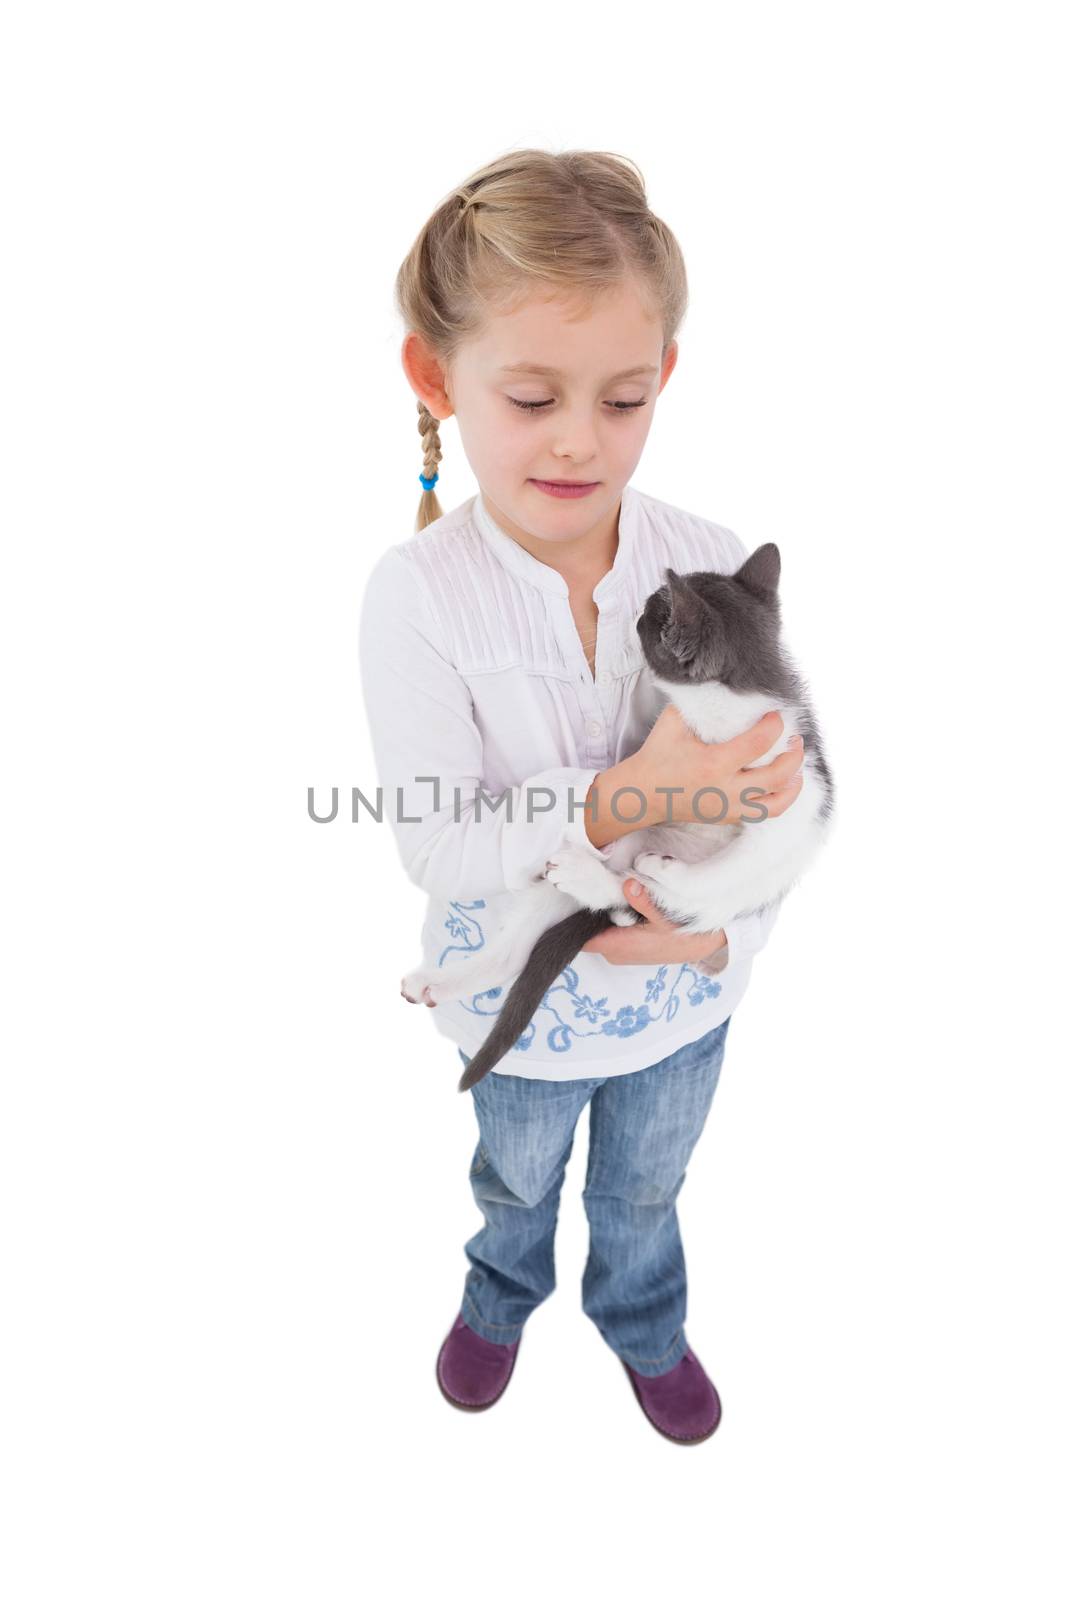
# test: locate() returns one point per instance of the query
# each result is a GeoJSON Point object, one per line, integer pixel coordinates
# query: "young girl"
{"type": "Point", "coordinates": [509, 716]}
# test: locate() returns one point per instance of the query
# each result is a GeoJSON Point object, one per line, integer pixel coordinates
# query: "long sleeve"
{"type": "Point", "coordinates": [745, 937]}
{"type": "Point", "coordinates": [456, 840]}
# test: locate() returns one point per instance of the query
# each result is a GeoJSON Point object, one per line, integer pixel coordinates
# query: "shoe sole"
{"type": "Point", "coordinates": [468, 1405]}
{"type": "Point", "coordinates": [673, 1437]}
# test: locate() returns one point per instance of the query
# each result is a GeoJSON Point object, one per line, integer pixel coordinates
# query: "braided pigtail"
{"type": "Point", "coordinates": [429, 505]}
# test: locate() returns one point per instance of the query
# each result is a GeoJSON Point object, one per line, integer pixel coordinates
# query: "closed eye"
{"type": "Point", "coordinates": [539, 405]}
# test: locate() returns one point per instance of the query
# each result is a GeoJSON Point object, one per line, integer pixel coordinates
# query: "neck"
{"type": "Point", "coordinates": [581, 561]}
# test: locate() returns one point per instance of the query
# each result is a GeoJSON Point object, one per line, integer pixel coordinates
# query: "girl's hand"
{"type": "Point", "coordinates": [673, 756]}
{"type": "Point", "coordinates": [655, 942]}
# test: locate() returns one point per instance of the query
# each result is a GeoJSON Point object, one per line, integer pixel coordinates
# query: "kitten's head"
{"type": "Point", "coordinates": [704, 627]}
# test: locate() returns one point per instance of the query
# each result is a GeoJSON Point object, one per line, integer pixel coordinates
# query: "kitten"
{"type": "Point", "coordinates": [712, 644]}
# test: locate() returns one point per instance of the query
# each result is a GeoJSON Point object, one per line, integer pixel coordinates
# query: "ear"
{"type": "Point", "coordinates": [686, 604]}
{"type": "Point", "coordinates": [426, 376]}
{"type": "Point", "coordinates": [762, 570]}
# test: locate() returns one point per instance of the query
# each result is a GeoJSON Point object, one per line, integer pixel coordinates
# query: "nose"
{"type": "Point", "coordinates": [576, 438]}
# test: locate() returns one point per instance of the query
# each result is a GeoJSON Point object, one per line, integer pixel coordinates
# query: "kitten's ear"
{"type": "Point", "coordinates": [681, 631]}
{"type": "Point", "coordinates": [686, 604]}
{"type": "Point", "coordinates": [762, 570]}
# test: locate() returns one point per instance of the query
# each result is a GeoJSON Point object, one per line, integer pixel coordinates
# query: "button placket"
{"type": "Point", "coordinates": [594, 716]}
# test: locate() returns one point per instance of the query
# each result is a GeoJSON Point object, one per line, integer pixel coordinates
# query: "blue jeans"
{"type": "Point", "coordinates": [642, 1129]}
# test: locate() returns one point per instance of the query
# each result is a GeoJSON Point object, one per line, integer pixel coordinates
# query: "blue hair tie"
{"type": "Point", "coordinates": [428, 483]}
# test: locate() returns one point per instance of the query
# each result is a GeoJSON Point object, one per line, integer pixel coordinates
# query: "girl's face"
{"type": "Point", "coordinates": [585, 420]}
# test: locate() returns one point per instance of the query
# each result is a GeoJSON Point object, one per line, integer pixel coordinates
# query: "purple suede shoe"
{"type": "Point", "coordinates": [472, 1372]}
{"type": "Point", "coordinates": [682, 1404]}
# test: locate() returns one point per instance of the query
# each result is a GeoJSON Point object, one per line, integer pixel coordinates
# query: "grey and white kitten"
{"type": "Point", "coordinates": [712, 642]}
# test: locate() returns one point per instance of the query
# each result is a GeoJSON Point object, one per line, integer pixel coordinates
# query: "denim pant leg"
{"type": "Point", "coordinates": [642, 1130]}
{"type": "Point", "coordinates": [527, 1130]}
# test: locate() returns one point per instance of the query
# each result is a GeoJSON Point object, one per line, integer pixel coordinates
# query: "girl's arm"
{"type": "Point", "coordinates": [660, 940]}
{"type": "Point", "coordinates": [422, 726]}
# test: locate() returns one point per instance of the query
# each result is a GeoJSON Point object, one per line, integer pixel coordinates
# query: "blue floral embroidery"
{"type": "Point", "coordinates": [588, 1010]}
{"type": "Point", "coordinates": [463, 928]}
{"type": "Point", "coordinates": [563, 1002]}
{"type": "Point", "coordinates": [702, 988]}
{"type": "Point", "coordinates": [654, 986]}
{"type": "Point", "coordinates": [627, 1020]}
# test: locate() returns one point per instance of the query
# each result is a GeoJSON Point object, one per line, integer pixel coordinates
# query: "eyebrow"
{"type": "Point", "coordinates": [554, 372]}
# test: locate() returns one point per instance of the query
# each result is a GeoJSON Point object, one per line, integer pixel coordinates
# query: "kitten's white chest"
{"type": "Point", "coordinates": [716, 713]}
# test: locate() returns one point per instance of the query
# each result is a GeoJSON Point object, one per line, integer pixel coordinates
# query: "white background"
{"type": "Point", "coordinates": [234, 1163]}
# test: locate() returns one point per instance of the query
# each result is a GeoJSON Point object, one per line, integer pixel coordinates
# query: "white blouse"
{"type": "Point", "coordinates": [488, 729]}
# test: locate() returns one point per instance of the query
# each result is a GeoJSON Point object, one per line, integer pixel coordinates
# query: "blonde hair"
{"type": "Point", "coordinates": [576, 220]}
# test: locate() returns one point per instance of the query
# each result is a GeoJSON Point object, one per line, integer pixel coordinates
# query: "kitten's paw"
{"type": "Point", "coordinates": [651, 868]}
{"type": "Point", "coordinates": [417, 988]}
{"type": "Point", "coordinates": [586, 878]}
{"type": "Point", "coordinates": [624, 917]}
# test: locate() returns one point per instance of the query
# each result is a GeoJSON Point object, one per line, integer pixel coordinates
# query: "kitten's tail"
{"type": "Point", "coordinates": [556, 946]}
